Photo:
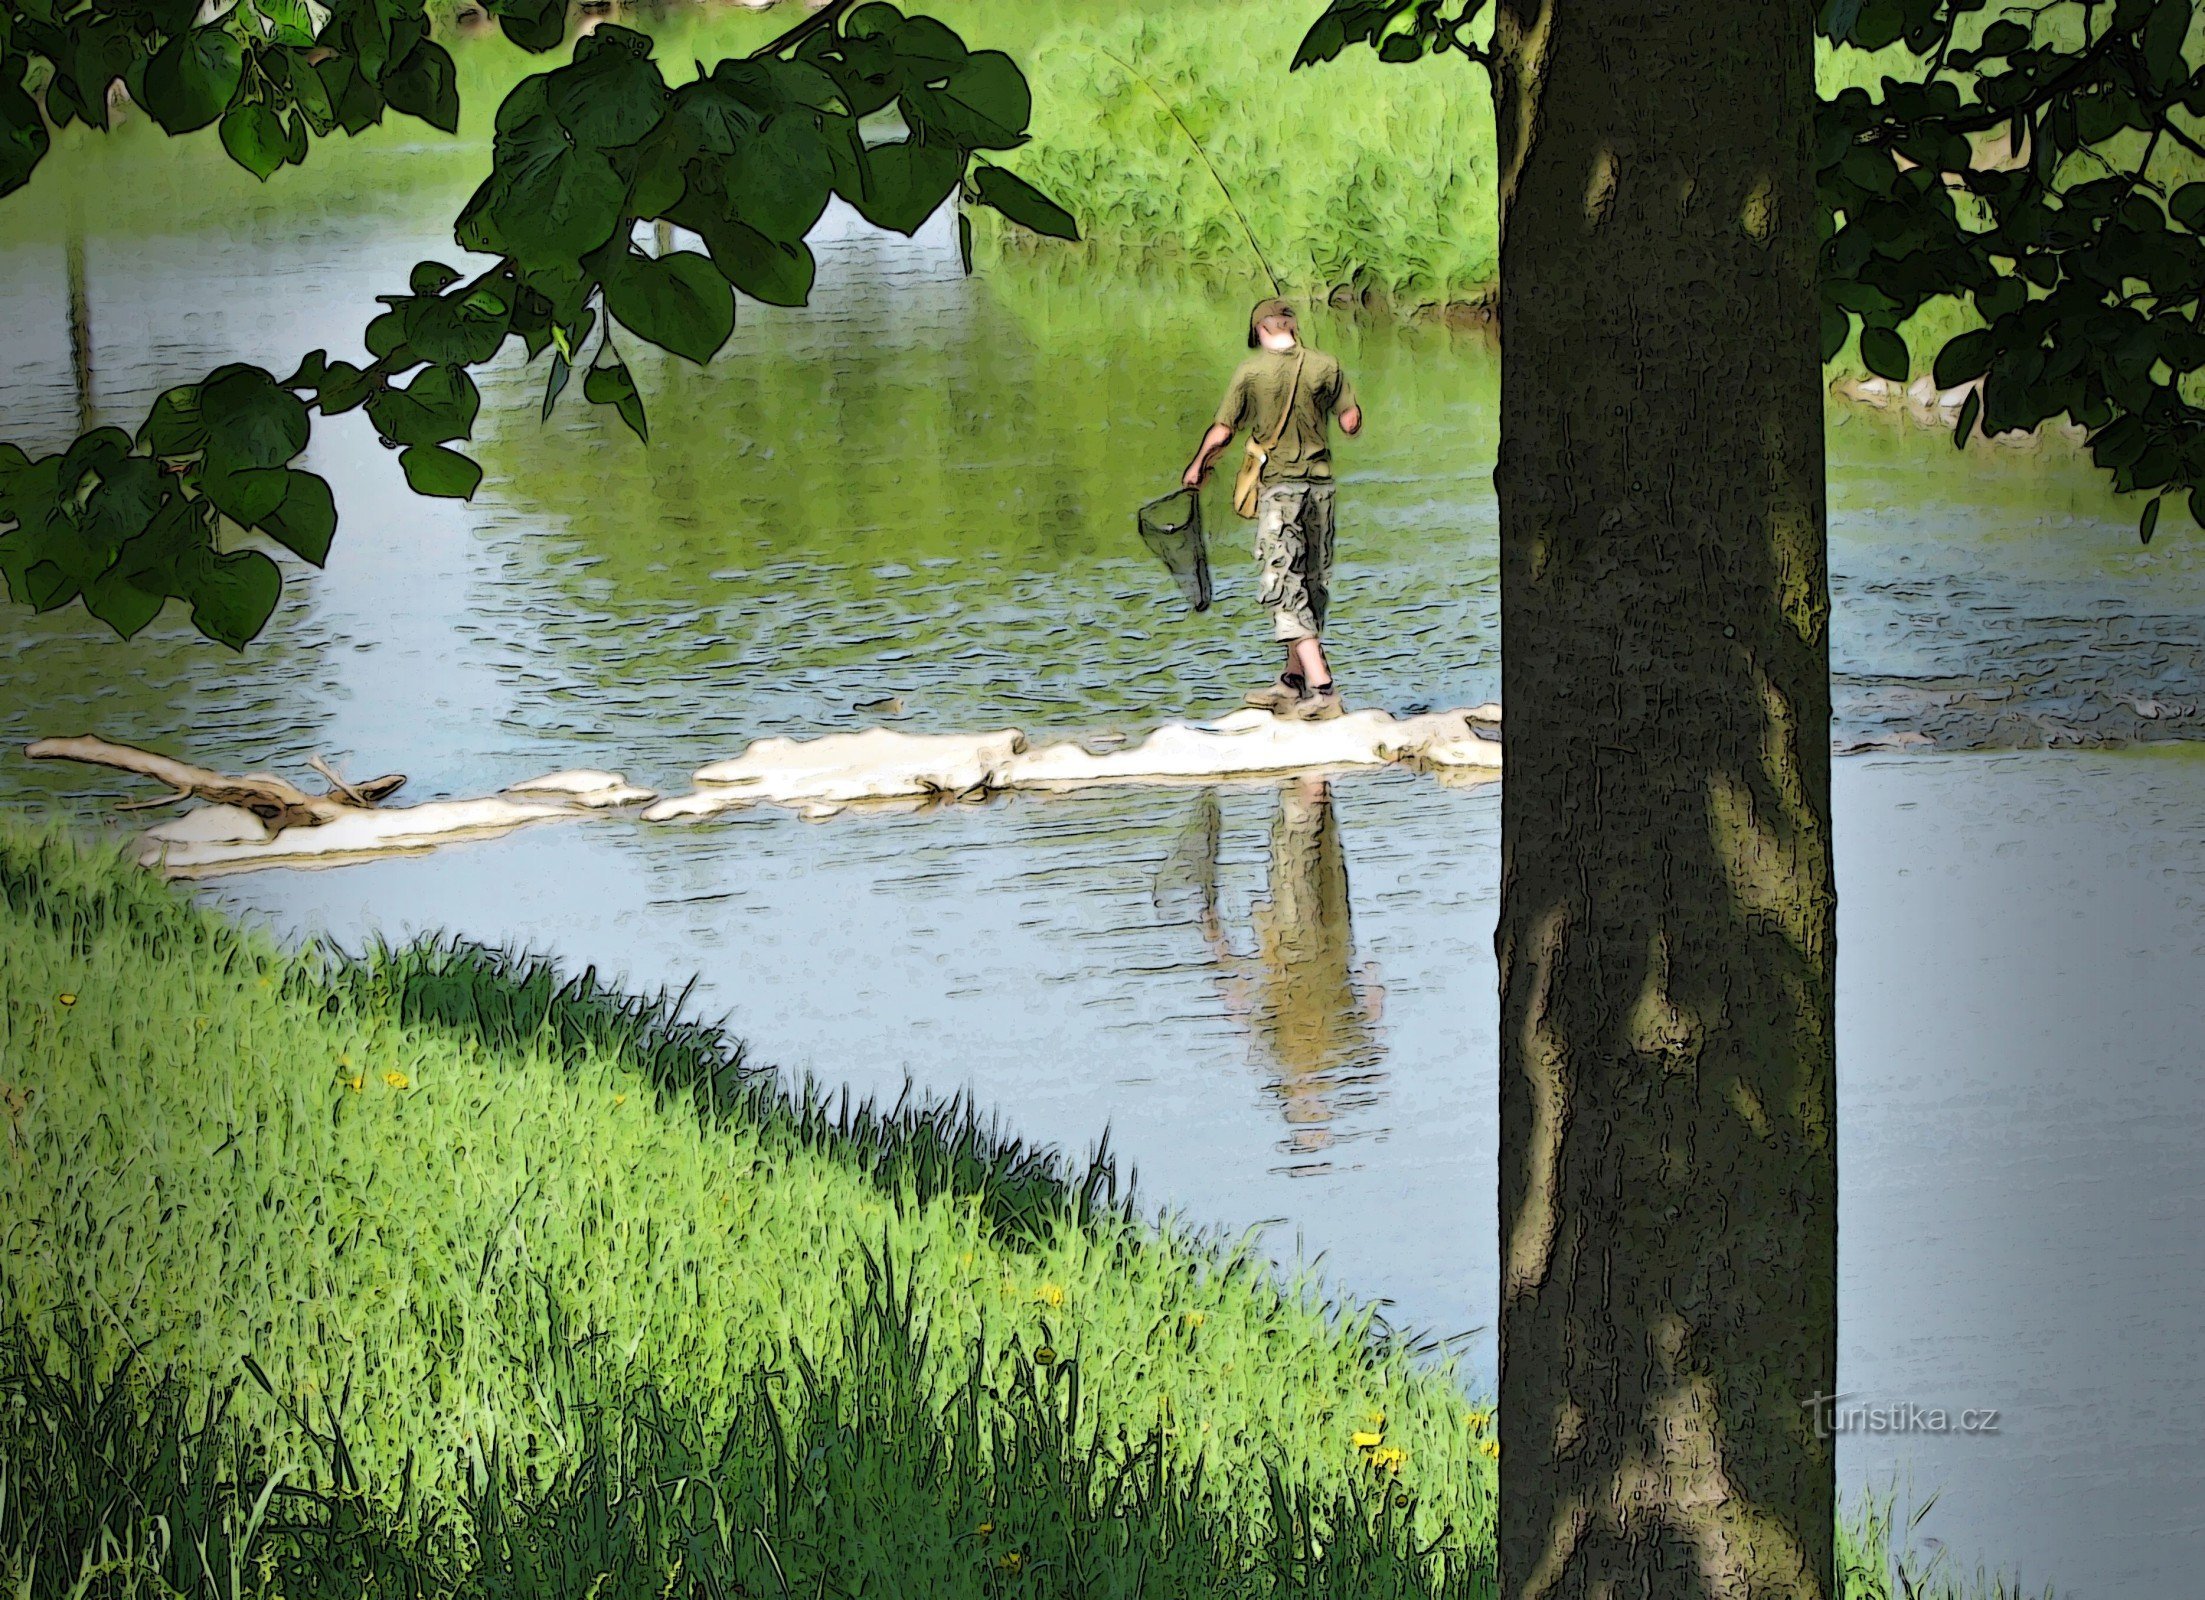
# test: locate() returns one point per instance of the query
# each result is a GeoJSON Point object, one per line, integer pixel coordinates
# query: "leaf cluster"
{"type": "Point", "coordinates": [1399, 30]}
{"type": "Point", "coordinates": [273, 74]}
{"type": "Point", "coordinates": [1992, 176]}
{"type": "Point", "coordinates": [745, 156]}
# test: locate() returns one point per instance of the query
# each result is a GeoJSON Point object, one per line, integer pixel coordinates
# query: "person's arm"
{"type": "Point", "coordinates": [1347, 408]}
{"type": "Point", "coordinates": [1205, 455]}
{"type": "Point", "coordinates": [1232, 411]}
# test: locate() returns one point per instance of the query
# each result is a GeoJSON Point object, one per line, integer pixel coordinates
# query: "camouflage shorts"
{"type": "Point", "coordinates": [1294, 553]}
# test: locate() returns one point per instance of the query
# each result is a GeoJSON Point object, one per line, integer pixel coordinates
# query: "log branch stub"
{"type": "Point", "coordinates": [272, 799]}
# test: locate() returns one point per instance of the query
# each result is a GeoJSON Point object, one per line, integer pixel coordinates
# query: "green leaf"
{"type": "Point", "coordinates": [964, 242]}
{"type": "Point", "coordinates": [612, 94]}
{"type": "Point", "coordinates": [354, 99]}
{"type": "Point", "coordinates": [1835, 326]}
{"type": "Point", "coordinates": [1025, 205]}
{"type": "Point", "coordinates": [534, 25]}
{"type": "Point", "coordinates": [310, 95]}
{"type": "Point", "coordinates": [425, 85]}
{"type": "Point", "coordinates": [190, 80]}
{"type": "Point", "coordinates": [173, 427]}
{"type": "Point", "coordinates": [289, 22]}
{"type": "Point", "coordinates": [1884, 353]}
{"type": "Point", "coordinates": [248, 496]}
{"type": "Point", "coordinates": [23, 137]}
{"type": "Point", "coordinates": [610, 384]}
{"type": "Point", "coordinates": [255, 139]}
{"type": "Point", "coordinates": [772, 270]}
{"type": "Point", "coordinates": [231, 595]}
{"type": "Point", "coordinates": [121, 604]}
{"type": "Point", "coordinates": [440, 403]}
{"type": "Point", "coordinates": [459, 330]}
{"type": "Point", "coordinates": [1965, 356]}
{"type": "Point", "coordinates": [985, 105]}
{"type": "Point", "coordinates": [250, 420]}
{"type": "Point", "coordinates": [2187, 206]}
{"type": "Point", "coordinates": [306, 520]}
{"type": "Point", "coordinates": [432, 469]}
{"type": "Point", "coordinates": [555, 385]}
{"type": "Point", "coordinates": [779, 180]}
{"type": "Point", "coordinates": [1970, 409]}
{"type": "Point", "coordinates": [547, 202]}
{"type": "Point", "coordinates": [1838, 17]}
{"type": "Point", "coordinates": [899, 185]}
{"type": "Point", "coordinates": [678, 302]}
{"type": "Point", "coordinates": [2148, 523]}
{"type": "Point", "coordinates": [2164, 32]}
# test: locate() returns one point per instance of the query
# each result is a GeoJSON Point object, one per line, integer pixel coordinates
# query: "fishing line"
{"type": "Point", "coordinates": [1207, 162]}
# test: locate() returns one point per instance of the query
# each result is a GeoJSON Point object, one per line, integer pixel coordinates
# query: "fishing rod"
{"type": "Point", "coordinates": [1238, 215]}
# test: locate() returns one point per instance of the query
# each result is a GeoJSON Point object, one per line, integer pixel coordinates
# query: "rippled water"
{"type": "Point", "coordinates": [1279, 997]}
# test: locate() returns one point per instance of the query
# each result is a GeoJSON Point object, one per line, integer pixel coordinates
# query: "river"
{"type": "Point", "coordinates": [1278, 997]}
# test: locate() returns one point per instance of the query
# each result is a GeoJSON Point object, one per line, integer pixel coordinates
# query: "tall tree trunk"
{"type": "Point", "coordinates": [1667, 935]}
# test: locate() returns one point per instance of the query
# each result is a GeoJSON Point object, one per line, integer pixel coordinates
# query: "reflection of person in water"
{"type": "Point", "coordinates": [1310, 1012]}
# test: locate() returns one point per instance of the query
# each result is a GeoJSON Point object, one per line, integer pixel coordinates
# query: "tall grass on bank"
{"type": "Point", "coordinates": [432, 1273]}
{"type": "Point", "coordinates": [408, 1191]}
{"type": "Point", "coordinates": [1359, 173]}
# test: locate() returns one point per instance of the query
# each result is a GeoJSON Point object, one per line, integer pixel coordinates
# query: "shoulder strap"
{"type": "Point", "coordinates": [1286, 415]}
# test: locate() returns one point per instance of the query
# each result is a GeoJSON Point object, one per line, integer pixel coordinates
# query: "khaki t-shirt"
{"type": "Point", "coordinates": [1257, 394]}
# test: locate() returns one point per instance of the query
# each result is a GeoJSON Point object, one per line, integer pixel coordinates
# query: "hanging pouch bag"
{"type": "Point", "coordinates": [1250, 482]}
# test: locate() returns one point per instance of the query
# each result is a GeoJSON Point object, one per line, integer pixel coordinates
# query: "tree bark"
{"type": "Point", "coordinates": [1667, 936]}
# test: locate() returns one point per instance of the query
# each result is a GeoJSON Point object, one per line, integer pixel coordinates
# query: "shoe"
{"type": "Point", "coordinates": [1317, 706]}
{"type": "Point", "coordinates": [1277, 698]}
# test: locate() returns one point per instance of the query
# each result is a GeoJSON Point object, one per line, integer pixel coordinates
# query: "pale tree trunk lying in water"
{"type": "Point", "coordinates": [279, 804]}
{"type": "Point", "coordinates": [1667, 936]}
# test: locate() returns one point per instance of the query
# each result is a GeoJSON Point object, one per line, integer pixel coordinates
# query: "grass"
{"type": "Point", "coordinates": [430, 1272]}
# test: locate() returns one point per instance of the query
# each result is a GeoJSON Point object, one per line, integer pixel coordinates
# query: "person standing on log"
{"type": "Point", "coordinates": [1287, 394]}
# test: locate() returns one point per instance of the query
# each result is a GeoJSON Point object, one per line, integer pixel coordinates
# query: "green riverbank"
{"type": "Point", "coordinates": [466, 1280]}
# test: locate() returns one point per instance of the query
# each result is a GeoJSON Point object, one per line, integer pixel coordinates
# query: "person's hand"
{"type": "Point", "coordinates": [1195, 475]}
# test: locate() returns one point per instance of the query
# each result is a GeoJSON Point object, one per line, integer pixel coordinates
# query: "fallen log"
{"type": "Point", "coordinates": [278, 803]}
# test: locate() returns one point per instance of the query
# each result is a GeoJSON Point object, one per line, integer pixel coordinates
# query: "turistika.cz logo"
{"type": "Point", "coordinates": [1833, 1416]}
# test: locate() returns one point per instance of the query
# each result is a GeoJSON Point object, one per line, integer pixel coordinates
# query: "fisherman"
{"type": "Point", "coordinates": [1294, 507]}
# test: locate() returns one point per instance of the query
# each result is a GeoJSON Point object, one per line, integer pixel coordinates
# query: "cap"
{"type": "Point", "coordinates": [1266, 308]}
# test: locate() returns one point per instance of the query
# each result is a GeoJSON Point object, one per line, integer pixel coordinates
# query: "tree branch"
{"type": "Point", "coordinates": [263, 794]}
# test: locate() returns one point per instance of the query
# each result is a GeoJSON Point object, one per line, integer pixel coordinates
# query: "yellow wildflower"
{"type": "Point", "coordinates": [1010, 1561]}
{"type": "Point", "coordinates": [1050, 1295]}
{"type": "Point", "coordinates": [1194, 1319]}
{"type": "Point", "coordinates": [66, 999]}
{"type": "Point", "coordinates": [1388, 1458]}
{"type": "Point", "coordinates": [965, 1260]}
{"type": "Point", "coordinates": [620, 1099]}
{"type": "Point", "coordinates": [1478, 1418]}
{"type": "Point", "coordinates": [353, 1083]}
{"type": "Point", "coordinates": [1490, 1447]}
{"type": "Point", "coordinates": [1366, 1441]}
{"type": "Point", "coordinates": [397, 1080]}
{"type": "Point", "coordinates": [984, 1529]}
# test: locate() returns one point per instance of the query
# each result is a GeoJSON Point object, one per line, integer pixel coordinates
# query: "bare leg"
{"type": "Point", "coordinates": [1307, 656]}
